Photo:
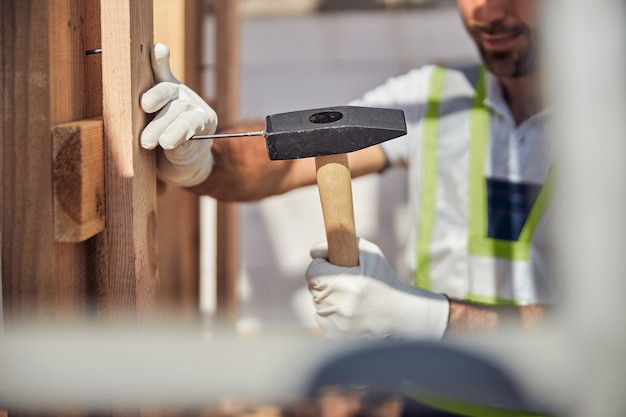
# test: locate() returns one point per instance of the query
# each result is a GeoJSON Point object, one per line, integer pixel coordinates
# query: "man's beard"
{"type": "Point", "coordinates": [513, 64]}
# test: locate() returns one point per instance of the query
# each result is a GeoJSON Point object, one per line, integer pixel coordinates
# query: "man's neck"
{"type": "Point", "coordinates": [523, 96]}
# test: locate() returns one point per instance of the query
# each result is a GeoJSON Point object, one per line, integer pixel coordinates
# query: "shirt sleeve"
{"type": "Point", "coordinates": [408, 93]}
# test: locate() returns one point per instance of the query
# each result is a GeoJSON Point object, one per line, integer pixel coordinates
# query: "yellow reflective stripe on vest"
{"type": "Point", "coordinates": [464, 408]}
{"type": "Point", "coordinates": [478, 241]}
{"type": "Point", "coordinates": [428, 196]}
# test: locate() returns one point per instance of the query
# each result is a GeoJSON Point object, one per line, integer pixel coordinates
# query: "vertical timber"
{"type": "Point", "coordinates": [177, 24]}
{"type": "Point", "coordinates": [28, 281]}
{"type": "Point", "coordinates": [227, 81]}
{"type": "Point", "coordinates": [75, 94]}
{"type": "Point", "coordinates": [130, 175]}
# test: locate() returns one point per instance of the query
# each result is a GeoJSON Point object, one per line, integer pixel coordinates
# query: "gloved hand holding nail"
{"type": "Point", "coordinates": [369, 300]}
{"type": "Point", "coordinates": [181, 114]}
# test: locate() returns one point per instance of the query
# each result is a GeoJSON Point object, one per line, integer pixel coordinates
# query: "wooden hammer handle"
{"type": "Point", "coordinates": [334, 183]}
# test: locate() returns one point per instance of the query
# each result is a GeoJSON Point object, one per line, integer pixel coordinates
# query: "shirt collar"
{"type": "Point", "coordinates": [494, 100]}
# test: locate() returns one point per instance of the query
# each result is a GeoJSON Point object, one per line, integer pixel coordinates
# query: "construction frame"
{"type": "Point", "coordinates": [80, 199]}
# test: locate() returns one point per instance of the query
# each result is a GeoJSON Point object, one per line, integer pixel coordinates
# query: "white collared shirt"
{"type": "Point", "coordinates": [518, 154]}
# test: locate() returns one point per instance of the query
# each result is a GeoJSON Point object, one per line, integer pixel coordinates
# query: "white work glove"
{"type": "Point", "coordinates": [370, 301]}
{"type": "Point", "coordinates": [182, 114]}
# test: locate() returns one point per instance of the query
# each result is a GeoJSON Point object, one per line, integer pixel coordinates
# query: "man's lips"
{"type": "Point", "coordinates": [498, 41]}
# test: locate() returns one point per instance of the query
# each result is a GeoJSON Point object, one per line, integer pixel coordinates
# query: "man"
{"type": "Point", "coordinates": [477, 163]}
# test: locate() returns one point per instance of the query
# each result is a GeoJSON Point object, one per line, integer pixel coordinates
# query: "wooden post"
{"type": "Point", "coordinates": [75, 94]}
{"type": "Point", "coordinates": [227, 107]}
{"type": "Point", "coordinates": [130, 170]}
{"type": "Point", "coordinates": [28, 278]}
{"type": "Point", "coordinates": [177, 24]}
{"type": "Point", "coordinates": [47, 79]}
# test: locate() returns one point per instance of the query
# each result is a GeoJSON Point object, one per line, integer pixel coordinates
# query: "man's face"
{"type": "Point", "coordinates": [505, 33]}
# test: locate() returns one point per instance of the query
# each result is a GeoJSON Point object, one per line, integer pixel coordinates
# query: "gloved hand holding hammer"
{"type": "Point", "coordinates": [369, 300]}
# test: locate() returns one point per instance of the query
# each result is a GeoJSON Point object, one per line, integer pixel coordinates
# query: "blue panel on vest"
{"type": "Point", "coordinates": [508, 206]}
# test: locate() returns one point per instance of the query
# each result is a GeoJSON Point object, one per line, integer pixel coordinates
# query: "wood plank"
{"type": "Point", "coordinates": [195, 13]}
{"type": "Point", "coordinates": [93, 62]}
{"type": "Point", "coordinates": [72, 92]}
{"type": "Point", "coordinates": [27, 224]}
{"type": "Point", "coordinates": [227, 81]}
{"type": "Point", "coordinates": [78, 180]}
{"type": "Point", "coordinates": [133, 285]}
{"type": "Point", "coordinates": [67, 57]}
{"type": "Point", "coordinates": [176, 23]}
{"type": "Point", "coordinates": [169, 28]}
{"type": "Point", "coordinates": [95, 248]}
{"type": "Point", "coordinates": [3, 76]}
{"type": "Point", "coordinates": [179, 258]}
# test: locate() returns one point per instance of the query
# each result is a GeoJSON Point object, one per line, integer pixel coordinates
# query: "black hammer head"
{"type": "Point", "coordinates": [329, 131]}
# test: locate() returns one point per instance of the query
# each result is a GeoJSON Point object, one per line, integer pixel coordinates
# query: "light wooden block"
{"type": "Point", "coordinates": [78, 180]}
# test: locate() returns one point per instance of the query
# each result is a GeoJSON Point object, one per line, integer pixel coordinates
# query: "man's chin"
{"type": "Point", "coordinates": [507, 65]}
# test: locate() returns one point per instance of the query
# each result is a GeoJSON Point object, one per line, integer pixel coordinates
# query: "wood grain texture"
{"type": "Point", "coordinates": [335, 188]}
{"type": "Point", "coordinates": [179, 246]}
{"type": "Point", "coordinates": [93, 63]}
{"type": "Point", "coordinates": [133, 281]}
{"type": "Point", "coordinates": [27, 223]}
{"type": "Point", "coordinates": [75, 94]}
{"type": "Point", "coordinates": [67, 57]}
{"type": "Point", "coordinates": [227, 87]}
{"type": "Point", "coordinates": [78, 180]}
{"type": "Point", "coordinates": [177, 24]}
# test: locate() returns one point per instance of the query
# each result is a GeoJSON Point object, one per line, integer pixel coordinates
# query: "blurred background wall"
{"type": "Point", "coordinates": [317, 53]}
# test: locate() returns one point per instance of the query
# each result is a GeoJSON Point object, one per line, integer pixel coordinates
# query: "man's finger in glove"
{"type": "Point", "coordinates": [178, 121]}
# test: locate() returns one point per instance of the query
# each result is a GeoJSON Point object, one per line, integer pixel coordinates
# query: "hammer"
{"type": "Point", "coordinates": [328, 134]}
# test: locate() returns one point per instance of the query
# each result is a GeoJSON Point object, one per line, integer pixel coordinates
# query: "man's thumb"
{"type": "Point", "coordinates": [161, 63]}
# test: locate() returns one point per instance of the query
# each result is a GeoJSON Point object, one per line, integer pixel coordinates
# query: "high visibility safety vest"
{"type": "Point", "coordinates": [480, 234]}
{"type": "Point", "coordinates": [478, 187]}
{"type": "Point", "coordinates": [485, 254]}
{"type": "Point", "coordinates": [476, 236]}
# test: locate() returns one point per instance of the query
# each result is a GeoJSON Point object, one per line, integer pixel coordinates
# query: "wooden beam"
{"type": "Point", "coordinates": [177, 24]}
{"type": "Point", "coordinates": [169, 28]}
{"type": "Point", "coordinates": [227, 80]}
{"type": "Point", "coordinates": [78, 180]}
{"type": "Point", "coordinates": [27, 225]}
{"type": "Point", "coordinates": [127, 38]}
{"type": "Point", "coordinates": [75, 94]}
{"type": "Point", "coordinates": [93, 62]}
{"type": "Point", "coordinates": [195, 13]}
